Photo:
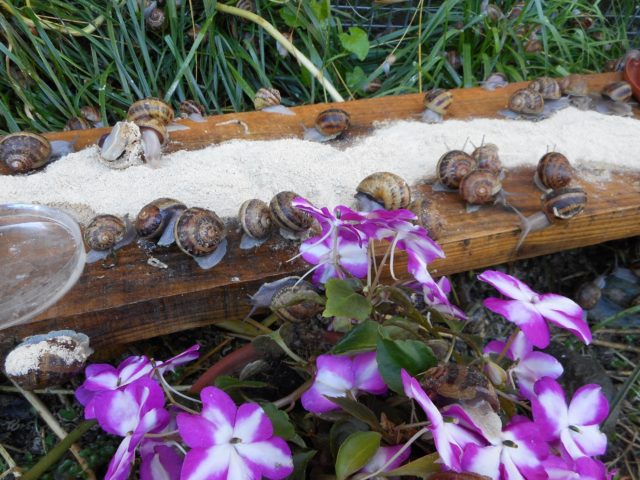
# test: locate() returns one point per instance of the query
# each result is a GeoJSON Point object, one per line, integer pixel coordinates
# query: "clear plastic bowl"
{"type": "Point", "coordinates": [41, 257]}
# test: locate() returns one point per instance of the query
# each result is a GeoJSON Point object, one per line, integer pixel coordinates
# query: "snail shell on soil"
{"type": "Point", "coordinates": [574, 85]}
{"type": "Point", "coordinates": [617, 91]}
{"type": "Point", "coordinates": [526, 101]}
{"type": "Point", "coordinates": [104, 232]}
{"type": "Point", "coordinates": [453, 166]}
{"type": "Point", "coordinates": [150, 108]}
{"type": "Point", "coordinates": [155, 217]}
{"type": "Point", "coordinates": [77, 123]}
{"type": "Point", "coordinates": [455, 382]}
{"type": "Point", "coordinates": [486, 157]}
{"type": "Point", "coordinates": [43, 361]}
{"type": "Point", "coordinates": [22, 152]}
{"type": "Point", "coordinates": [547, 87]}
{"type": "Point", "coordinates": [589, 293]}
{"type": "Point", "coordinates": [266, 97]}
{"type": "Point", "coordinates": [480, 187]}
{"type": "Point", "coordinates": [122, 147]}
{"type": "Point", "coordinates": [201, 234]}
{"type": "Point", "coordinates": [255, 218]}
{"type": "Point", "coordinates": [286, 216]}
{"type": "Point", "coordinates": [438, 100]}
{"type": "Point", "coordinates": [554, 171]}
{"type": "Point", "coordinates": [156, 19]}
{"type": "Point", "coordinates": [383, 190]}
{"type": "Point", "coordinates": [293, 303]}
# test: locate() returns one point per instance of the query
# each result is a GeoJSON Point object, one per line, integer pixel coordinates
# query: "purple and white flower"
{"type": "Point", "coordinates": [382, 456]}
{"type": "Point", "coordinates": [528, 309]}
{"type": "Point", "coordinates": [584, 468]}
{"type": "Point", "coordinates": [342, 376]}
{"type": "Point", "coordinates": [436, 296]}
{"type": "Point", "coordinates": [529, 366]}
{"type": "Point", "coordinates": [229, 442]}
{"type": "Point", "coordinates": [334, 256]}
{"type": "Point", "coordinates": [160, 460]}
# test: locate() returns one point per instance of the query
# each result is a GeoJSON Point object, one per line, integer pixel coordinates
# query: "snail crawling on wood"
{"type": "Point", "coordinates": [268, 100]}
{"type": "Point", "coordinates": [192, 110]}
{"type": "Point", "coordinates": [256, 222]}
{"type": "Point", "coordinates": [24, 152]}
{"type": "Point", "coordinates": [451, 168]}
{"type": "Point", "coordinates": [541, 99]}
{"type": "Point", "coordinates": [553, 171]}
{"type": "Point", "coordinates": [105, 234]}
{"type": "Point", "coordinates": [614, 100]}
{"type": "Point", "coordinates": [437, 102]}
{"type": "Point", "coordinates": [495, 80]}
{"type": "Point", "coordinates": [481, 187]}
{"type": "Point", "coordinates": [156, 220]}
{"type": "Point", "coordinates": [383, 190]}
{"type": "Point", "coordinates": [292, 222]}
{"type": "Point", "coordinates": [329, 124]}
{"type": "Point", "coordinates": [486, 157]}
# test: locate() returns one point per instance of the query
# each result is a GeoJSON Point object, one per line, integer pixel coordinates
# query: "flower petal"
{"type": "Point", "coordinates": [564, 313]}
{"type": "Point", "coordinates": [482, 460]}
{"type": "Point", "coordinates": [525, 316]}
{"type": "Point", "coordinates": [187, 356]}
{"type": "Point", "coordinates": [590, 440]}
{"type": "Point", "coordinates": [132, 369]}
{"type": "Point", "coordinates": [100, 376]}
{"type": "Point", "coordinates": [252, 424]}
{"type": "Point", "coordinates": [532, 368]}
{"type": "Point", "coordinates": [220, 410]}
{"type": "Point", "coordinates": [550, 410]}
{"type": "Point", "coordinates": [161, 462]}
{"type": "Point", "coordinates": [366, 374]}
{"type": "Point", "coordinates": [383, 455]}
{"type": "Point", "coordinates": [272, 458]}
{"type": "Point", "coordinates": [588, 406]}
{"type": "Point", "coordinates": [353, 258]}
{"type": "Point", "coordinates": [208, 464]}
{"type": "Point", "coordinates": [507, 285]}
{"type": "Point", "coordinates": [196, 431]}
{"type": "Point", "coordinates": [120, 464]}
{"type": "Point", "coordinates": [334, 377]}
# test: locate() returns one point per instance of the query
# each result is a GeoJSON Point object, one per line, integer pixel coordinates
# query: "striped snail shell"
{"type": "Point", "coordinates": [76, 123]}
{"type": "Point", "coordinates": [191, 107]}
{"type": "Point", "coordinates": [255, 218]}
{"type": "Point", "coordinates": [150, 109]}
{"type": "Point", "coordinates": [156, 19]}
{"type": "Point", "coordinates": [105, 232]}
{"type": "Point", "coordinates": [547, 87]}
{"type": "Point", "coordinates": [553, 171]}
{"type": "Point", "coordinates": [526, 101]}
{"type": "Point", "coordinates": [574, 85]}
{"type": "Point", "coordinates": [157, 127]}
{"type": "Point", "coordinates": [289, 302]}
{"type": "Point", "coordinates": [286, 216]}
{"type": "Point", "coordinates": [266, 97]}
{"type": "Point", "coordinates": [22, 152]}
{"type": "Point", "coordinates": [154, 217]}
{"type": "Point", "coordinates": [453, 166]}
{"type": "Point", "coordinates": [246, 5]}
{"type": "Point", "coordinates": [90, 113]}
{"type": "Point", "coordinates": [198, 231]}
{"type": "Point", "coordinates": [332, 122]}
{"type": "Point", "coordinates": [617, 91]}
{"type": "Point", "coordinates": [486, 157]}
{"type": "Point", "coordinates": [438, 100]}
{"type": "Point", "coordinates": [533, 45]}
{"type": "Point", "coordinates": [386, 190]}
{"type": "Point", "coordinates": [480, 187]}
{"type": "Point", "coordinates": [564, 203]}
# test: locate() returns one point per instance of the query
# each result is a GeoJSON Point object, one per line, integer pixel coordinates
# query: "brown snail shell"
{"type": "Point", "coordinates": [533, 45]}
{"type": "Point", "coordinates": [255, 218]}
{"type": "Point", "coordinates": [453, 166]}
{"type": "Point", "coordinates": [617, 91]}
{"type": "Point", "coordinates": [454, 59]}
{"type": "Point", "coordinates": [150, 109]}
{"type": "Point", "coordinates": [386, 189]}
{"type": "Point", "coordinates": [564, 203]}
{"type": "Point", "coordinates": [495, 80]}
{"type": "Point", "coordinates": [198, 231]}
{"type": "Point", "coordinates": [574, 85]}
{"type": "Point", "coordinates": [332, 122]}
{"type": "Point", "coordinates": [428, 217]}
{"type": "Point", "coordinates": [43, 361]}
{"type": "Point", "coordinates": [266, 97]}
{"type": "Point", "coordinates": [22, 152]}
{"type": "Point", "coordinates": [289, 303]}
{"type": "Point", "coordinates": [156, 19]}
{"type": "Point", "coordinates": [76, 123]}
{"type": "Point", "coordinates": [154, 217]}
{"type": "Point", "coordinates": [588, 295]}
{"type": "Point", "coordinates": [104, 232]}
{"type": "Point", "coordinates": [438, 100]}
{"type": "Point", "coordinates": [246, 5]}
{"type": "Point", "coordinates": [554, 171]}
{"type": "Point", "coordinates": [516, 10]}
{"type": "Point", "coordinates": [480, 187]}
{"type": "Point", "coordinates": [159, 128]}
{"type": "Point", "coordinates": [453, 382]}
{"type": "Point", "coordinates": [493, 12]}
{"type": "Point", "coordinates": [547, 87]}
{"type": "Point", "coordinates": [191, 107]}
{"type": "Point", "coordinates": [486, 157]}
{"type": "Point", "coordinates": [526, 101]}
{"type": "Point", "coordinates": [286, 216]}
{"type": "Point", "coordinates": [90, 113]}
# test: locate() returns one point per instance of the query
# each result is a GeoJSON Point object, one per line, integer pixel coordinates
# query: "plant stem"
{"type": "Point", "coordinates": [507, 345]}
{"type": "Point", "coordinates": [297, 54]}
{"type": "Point", "coordinates": [622, 393]}
{"type": "Point", "coordinates": [58, 451]}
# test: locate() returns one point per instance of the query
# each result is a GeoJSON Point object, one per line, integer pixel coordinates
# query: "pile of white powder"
{"type": "Point", "coordinates": [221, 177]}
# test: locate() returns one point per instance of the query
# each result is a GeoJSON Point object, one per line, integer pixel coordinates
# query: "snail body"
{"type": "Point", "coordinates": [452, 168]}
{"type": "Point", "coordinates": [292, 221]}
{"type": "Point", "coordinates": [24, 151]}
{"type": "Point", "coordinates": [192, 110]}
{"type": "Point", "coordinates": [383, 190]}
{"type": "Point", "coordinates": [495, 80]}
{"type": "Point", "coordinates": [529, 104]}
{"type": "Point", "coordinates": [201, 234]}
{"type": "Point", "coordinates": [437, 102]}
{"type": "Point", "coordinates": [557, 206]}
{"type": "Point", "coordinates": [329, 124]}
{"type": "Point", "coordinates": [487, 158]}
{"type": "Point", "coordinates": [255, 219]}
{"type": "Point", "coordinates": [479, 187]}
{"type": "Point", "coordinates": [157, 217]}
{"type": "Point", "coordinates": [106, 234]}
{"type": "Point", "coordinates": [554, 171]}
{"type": "Point", "coordinates": [268, 100]}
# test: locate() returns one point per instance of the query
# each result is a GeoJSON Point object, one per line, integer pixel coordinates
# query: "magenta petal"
{"type": "Point", "coordinates": [161, 462]}
{"type": "Point", "coordinates": [589, 406]}
{"type": "Point", "coordinates": [566, 314]}
{"type": "Point", "coordinates": [272, 458]}
{"type": "Point", "coordinates": [412, 389]}
{"type": "Point", "coordinates": [252, 424]}
{"type": "Point", "coordinates": [100, 377]}
{"type": "Point", "coordinates": [133, 368]}
{"type": "Point", "coordinates": [590, 469]}
{"type": "Point", "coordinates": [219, 409]}
{"type": "Point", "coordinates": [353, 258]}
{"type": "Point", "coordinates": [482, 460]}
{"type": "Point", "coordinates": [152, 422]}
{"type": "Point", "coordinates": [507, 285]}
{"type": "Point", "coordinates": [335, 371]}
{"type": "Point", "coordinates": [496, 346]}
{"type": "Point", "coordinates": [120, 464]}
{"type": "Point", "coordinates": [366, 375]}
{"type": "Point", "coordinates": [550, 408]}
{"type": "Point", "coordinates": [207, 464]}
{"type": "Point", "coordinates": [197, 432]}
{"type": "Point", "coordinates": [525, 316]}
{"type": "Point", "coordinates": [532, 368]}
{"type": "Point", "coordinates": [314, 401]}
{"type": "Point", "coordinates": [187, 356]}
{"type": "Point", "coordinates": [383, 455]}
{"type": "Point", "coordinates": [521, 346]}
{"type": "Point", "coordinates": [117, 412]}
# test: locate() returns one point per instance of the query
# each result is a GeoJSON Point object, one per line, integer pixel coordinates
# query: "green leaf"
{"type": "Point", "coordinates": [423, 467]}
{"type": "Point", "coordinates": [226, 382]}
{"type": "Point", "coordinates": [355, 42]}
{"type": "Point", "coordinates": [340, 431]}
{"type": "Point", "coordinates": [344, 301]}
{"type": "Point", "coordinates": [393, 355]}
{"type": "Point", "coordinates": [290, 17]}
{"type": "Point", "coordinates": [321, 9]}
{"type": "Point", "coordinates": [355, 452]}
{"type": "Point", "coordinates": [300, 462]}
{"type": "Point", "coordinates": [356, 79]}
{"type": "Point", "coordinates": [282, 426]}
{"type": "Point", "coordinates": [358, 410]}
{"type": "Point", "coordinates": [363, 338]}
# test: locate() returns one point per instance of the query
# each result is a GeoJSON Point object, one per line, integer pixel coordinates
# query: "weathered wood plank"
{"type": "Point", "coordinates": [134, 300]}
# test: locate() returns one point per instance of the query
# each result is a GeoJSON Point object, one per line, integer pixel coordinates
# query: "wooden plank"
{"type": "Point", "coordinates": [134, 300]}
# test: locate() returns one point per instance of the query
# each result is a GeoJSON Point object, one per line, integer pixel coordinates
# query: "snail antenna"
{"type": "Point", "coordinates": [465, 143]}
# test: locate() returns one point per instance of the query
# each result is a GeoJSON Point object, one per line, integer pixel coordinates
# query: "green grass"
{"type": "Point", "coordinates": [48, 74]}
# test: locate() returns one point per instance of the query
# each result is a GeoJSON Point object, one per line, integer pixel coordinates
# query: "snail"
{"type": "Point", "coordinates": [495, 80]}
{"type": "Point", "coordinates": [383, 190]}
{"type": "Point", "coordinates": [23, 152]}
{"type": "Point", "coordinates": [329, 125]}
{"type": "Point", "coordinates": [201, 234]}
{"type": "Point", "coordinates": [158, 217]}
{"type": "Point", "coordinates": [150, 109]}
{"type": "Point", "coordinates": [295, 303]}
{"type": "Point", "coordinates": [617, 91]}
{"type": "Point", "coordinates": [529, 104]}
{"type": "Point", "coordinates": [77, 123]}
{"type": "Point", "coordinates": [92, 115]}
{"type": "Point", "coordinates": [292, 221]}
{"type": "Point", "coordinates": [516, 10]}
{"type": "Point", "coordinates": [573, 85]}
{"type": "Point", "coordinates": [533, 45]}
{"type": "Point", "coordinates": [192, 110]}
{"type": "Point", "coordinates": [268, 100]}
{"type": "Point", "coordinates": [547, 87]}
{"type": "Point", "coordinates": [554, 171]}
{"type": "Point", "coordinates": [452, 383]}
{"type": "Point", "coordinates": [486, 157]}
{"type": "Point", "coordinates": [451, 168]}
{"type": "Point", "coordinates": [105, 234]}
{"type": "Point", "coordinates": [437, 101]}
{"type": "Point", "coordinates": [122, 147]}
{"type": "Point", "coordinates": [262, 298]}
{"type": "Point", "coordinates": [614, 98]}
{"type": "Point", "coordinates": [491, 11]}
{"type": "Point", "coordinates": [480, 187]}
{"type": "Point", "coordinates": [256, 223]}
{"type": "Point", "coordinates": [193, 31]}
{"type": "Point", "coordinates": [43, 361]}
{"type": "Point", "coordinates": [557, 205]}
{"type": "Point", "coordinates": [155, 19]}
{"type": "Point", "coordinates": [372, 86]}
{"type": "Point", "coordinates": [428, 217]}
{"type": "Point", "coordinates": [589, 293]}
{"type": "Point", "coordinates": [246, 5]}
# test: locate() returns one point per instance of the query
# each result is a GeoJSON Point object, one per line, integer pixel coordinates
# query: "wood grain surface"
{"type": "Point", "coordinates": [134, 300]}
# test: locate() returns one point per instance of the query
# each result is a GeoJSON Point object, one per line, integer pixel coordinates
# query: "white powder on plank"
{"type": "Point", "coordinates": [221, 177]}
